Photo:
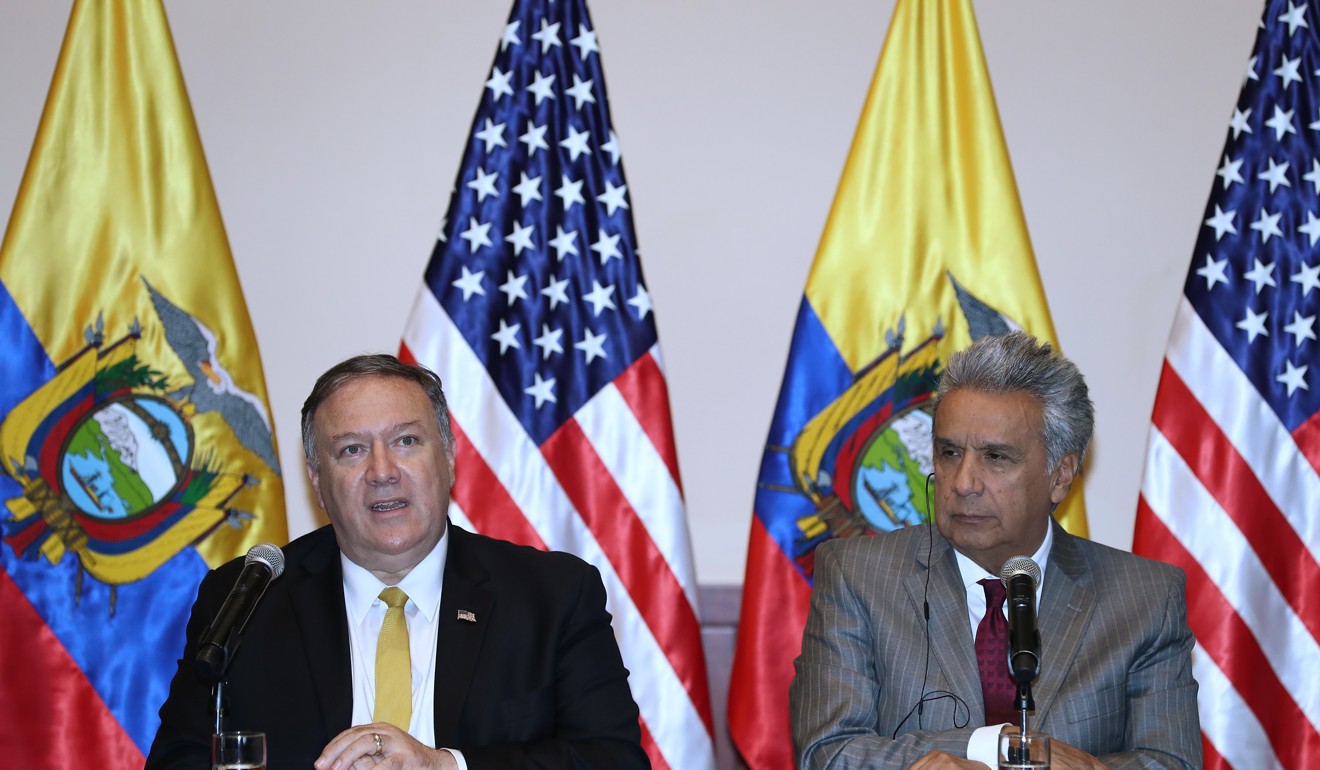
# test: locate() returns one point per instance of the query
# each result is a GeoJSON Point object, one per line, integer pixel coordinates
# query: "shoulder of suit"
{"type": "Point", "coordinates": [506, 554]}
{"type": "Point", "coordinates": [1106, 559]}
{"type": "Point", "coordinates": [898, 541]}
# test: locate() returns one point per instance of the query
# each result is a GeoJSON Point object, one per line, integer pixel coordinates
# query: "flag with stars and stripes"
{"type": "Point", "coordinates": [1231, 485]}
{"type": "Point", "coordinates": [535, 314]}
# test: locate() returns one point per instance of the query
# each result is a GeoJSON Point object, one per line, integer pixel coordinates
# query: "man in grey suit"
{"type": "Point", "coordinates": [879, 686]}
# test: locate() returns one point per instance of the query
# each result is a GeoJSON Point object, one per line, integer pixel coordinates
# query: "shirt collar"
{"type": "Point", "coordinates": [422, 584]}
{"type": "Point", "coordinates": [972, 573]}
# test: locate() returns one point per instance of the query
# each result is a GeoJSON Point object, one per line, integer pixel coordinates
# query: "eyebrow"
{"type": "Point", "coordinates": [396, 428]}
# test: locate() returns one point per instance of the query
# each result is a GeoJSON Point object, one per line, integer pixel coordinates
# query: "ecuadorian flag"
{"type": "Point", "coordinates": [136, 448]}
{"type": "Point", "coordinates": [926, 249]}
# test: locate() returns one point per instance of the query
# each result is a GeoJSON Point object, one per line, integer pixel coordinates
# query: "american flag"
{"type": "Point", "coordinates": [535, 313]}
{"type": "Point", "coordinates": [1231, 486]}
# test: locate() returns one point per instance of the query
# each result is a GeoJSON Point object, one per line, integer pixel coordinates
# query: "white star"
{"type": "Point", "coordinates": [1302, 327]}
{"type": "Point", "coordinates": [484, 184]}
{"type": "Point", "coordinates": [1238, 123]}
{"type": "Point", "coordinates": [612, 147]}
{"type": "Point", "coordinates": [548, 36]}
{"type": "Point", "coordinates": [1313, 176]}
{"type": "Point", "coordinates": [642, 301]}
{"type": "Point", "coordinates": [576, 143]}
{"type": "Point", "coordinates": [1213, 272]}
{"type": "Point", "coordinates": [507, 336]}
{"type": "Point", "coordinates": [492, 135]}
{"type": "Point", "coordinates": [528, 189]}
{"type": "Point", "coordinates": [581, 92]}
{"type": "Point", "coordinates": [1276, 174]}
{"type": "Point", "coordinates": [520, 238]}
{"type": "Point", "coordinates": [514, 287]}
{"type": "Point", "coordinates": [592, 344]}
{"type": "Point", "coordinates": [585, 41]}
{"type": "Point", "coordinates": [1251, 69]}
{"type": "Point", "coordinates": [499, 83]}
{"type": "Point", "coordinates": [1222, 222]}
{"type": "Point", "coordinates": [1311, 228]}
{"type": "Point", "coordinates": [564, 242]}
{"type": "Point", "coordinates": [1267, 225]}
{"type": "Point", "coordinates": [1315, 124]}
{"type": "Point", "coordinates": [556, 291]}
{"type": "Point", "coordinates": [1295, 17]}
{"type": "Point", "coordinates": [601, 297]}
{"type": "Point", "coordinates": [606, 246]}
{"type": "Point", "coordinates": [569, 192]}
{"type": "Point", "coordinates": [1230, 171]}
{"type": "Point", "coordinates": [1281, 122]}
{"type": "Point", "coordinates": [1308, 277]}
{"type": "Point", "coordinates": [1253, 325]}
{"type": "Point", "coordinates": [542, 87]}
{"type": "Point", "coordinates": [470, 283]}
{"type": "Point", "coordinates": [510, 35]}
{"type": "Point", "coordinates": [1293, 377]}
{"type": "Point", "coordinates": [549, 342]}
{"type": "Point", "coordinates": [477, 235]}
{"type": "Point", "coordinates": [1262, 275]}
{"type": "Point", "coordinates": [612, 199]}
{"type": "Point", "coordinates": [534, 139]}
{"type": "Point", "coordinates": [1287, 70]}
{"type": "Point", "coordinates": [542, 390]}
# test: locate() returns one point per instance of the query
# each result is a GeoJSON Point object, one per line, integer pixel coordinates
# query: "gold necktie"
{"type": "Point", "coordinates": [393, 664]}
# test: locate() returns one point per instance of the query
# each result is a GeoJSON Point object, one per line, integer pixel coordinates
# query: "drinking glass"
{"type": "Point", "coordinates": [240, 750]}
{"type": "Point", "coordinates": [1024, 751]}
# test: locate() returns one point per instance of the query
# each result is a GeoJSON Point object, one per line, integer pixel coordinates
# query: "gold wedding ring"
{"type": "Point", "coordinates": [379, 748]}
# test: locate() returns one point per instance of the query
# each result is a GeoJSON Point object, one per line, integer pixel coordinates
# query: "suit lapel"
{"type": "Point", "coordinates": [318, 605]}
{"type": "Point", "coordinates": [465, 611]}
{"type": "Point", "coordinates": [948, 621]}
{"type": "Point", "coordinates": [1066, 608]}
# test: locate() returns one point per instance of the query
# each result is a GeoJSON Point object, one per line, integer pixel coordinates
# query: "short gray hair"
{"type": "Point", "coordinates": [1018, 362]}
{"type": "Point", "coordinates": [374, 365]}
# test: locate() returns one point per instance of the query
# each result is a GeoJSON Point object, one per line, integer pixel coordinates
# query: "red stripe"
{"type": "Point", "coordinates": [644, 389]}
{"type": "Point", "coordinates": [652, 749]}
{"type": "Point", "coordinates": [641, 567]}
{"type": "Point", "coordinates": [1213, 759]}
{"type": "Point", "coordinates": [774, 612]}
{"type": "Point", "coordinates": [484, 499]}
{"type": "Point", "coordinates": [1216, 462]}
{"type": "Point", "coordinates": [1307, 436]}
{"type": "Point", "coordinates": [1230, 643]}
{"type": "Point", "coordinates": [54, 718]}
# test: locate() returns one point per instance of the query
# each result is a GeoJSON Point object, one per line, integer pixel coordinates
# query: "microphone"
{"type": "Point", "coordinates": [1021, 576]}
{"type": "Point", "coordinates": [264, 563]}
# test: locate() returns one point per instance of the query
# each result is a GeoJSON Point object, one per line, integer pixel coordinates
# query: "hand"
{"type": "Point", "coordinates": [1065, 757]}
{"type": "Point", "coordinates": [938, 759]}
{"type": "Point", "coordinates": [356, 749]}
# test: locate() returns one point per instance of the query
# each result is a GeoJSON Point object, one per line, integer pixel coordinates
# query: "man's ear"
{"type": "Point", "coordinates": [1064, 475]}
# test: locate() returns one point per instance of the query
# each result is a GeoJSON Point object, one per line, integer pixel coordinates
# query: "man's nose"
{"type": "Point", "coordinates": [966, 477]}
{"type": "Point", "coordinates": [381, 467]}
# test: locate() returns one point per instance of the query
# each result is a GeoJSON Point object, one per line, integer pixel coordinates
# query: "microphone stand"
{"type": "Point", "coordinates": [219, 689]}
{"type": "Point", "coordinates": [1023, 703]}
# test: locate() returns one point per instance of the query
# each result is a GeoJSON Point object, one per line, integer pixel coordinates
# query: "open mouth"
{"type": "Point", "coordinates": [385, 506]}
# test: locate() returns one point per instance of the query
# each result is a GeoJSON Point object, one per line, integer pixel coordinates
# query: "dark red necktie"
{"type": "Point", "coordinates": [997, 687]}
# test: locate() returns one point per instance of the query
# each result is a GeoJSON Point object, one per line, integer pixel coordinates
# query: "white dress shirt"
{"type": "Point", "coordinates": [366, 613]}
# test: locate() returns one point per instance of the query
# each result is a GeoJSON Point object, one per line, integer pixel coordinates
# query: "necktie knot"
{"type": "Point", "coordinates": [994, 594]}
{"type": "Point", "coordinates": [395, 597]}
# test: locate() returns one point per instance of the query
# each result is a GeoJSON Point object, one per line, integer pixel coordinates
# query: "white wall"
{"type": "Point", "coordinates": [334, 129]}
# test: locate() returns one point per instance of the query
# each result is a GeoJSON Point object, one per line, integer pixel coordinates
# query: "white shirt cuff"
{"type": "Point", "coordinates": [462, 763]}
{"type": "Point", "coordinates": [983, 746]}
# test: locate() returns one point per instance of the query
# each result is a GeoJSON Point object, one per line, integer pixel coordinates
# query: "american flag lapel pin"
{"type": "Point", "coordinates": [467, 615]}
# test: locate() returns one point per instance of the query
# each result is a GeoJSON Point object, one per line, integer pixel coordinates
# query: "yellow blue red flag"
{"type": "Point", "coordinates": [136, 446]}
{"type": "Point", "coordinates": [925, 249]}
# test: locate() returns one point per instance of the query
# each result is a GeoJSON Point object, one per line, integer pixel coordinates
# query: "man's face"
{"type": "Point", "coordinates": [382, 473]}
{"type": "Point", "coordinates": [994, 490]}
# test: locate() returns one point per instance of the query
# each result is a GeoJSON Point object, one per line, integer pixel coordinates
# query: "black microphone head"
{"type": "Point", "coordinates": [268, 554]}
{"type": "Point", "coordinates": [1020, 565]}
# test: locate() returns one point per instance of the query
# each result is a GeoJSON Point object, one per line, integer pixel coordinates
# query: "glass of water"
{"type": "Point", "coordinates": [1020, 751]}
{"type": "Point", "coordinates": [239, 750]}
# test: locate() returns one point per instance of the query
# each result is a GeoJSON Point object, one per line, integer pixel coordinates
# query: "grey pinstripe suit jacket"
{"type": "Point", "coordinates": [1116, 670]}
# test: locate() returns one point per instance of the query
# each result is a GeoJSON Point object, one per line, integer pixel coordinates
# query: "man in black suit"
{"type": "Point", "coordinates": [513, 661]}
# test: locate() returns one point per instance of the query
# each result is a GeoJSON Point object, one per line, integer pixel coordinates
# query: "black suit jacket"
{"type": "Point", "coordinates": [536, 681]}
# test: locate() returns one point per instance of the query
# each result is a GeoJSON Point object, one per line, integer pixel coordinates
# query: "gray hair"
{"type": "Point", "coordinates": [374, 365]}
{"type": "Point", "coordinates": [1018, 362]}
